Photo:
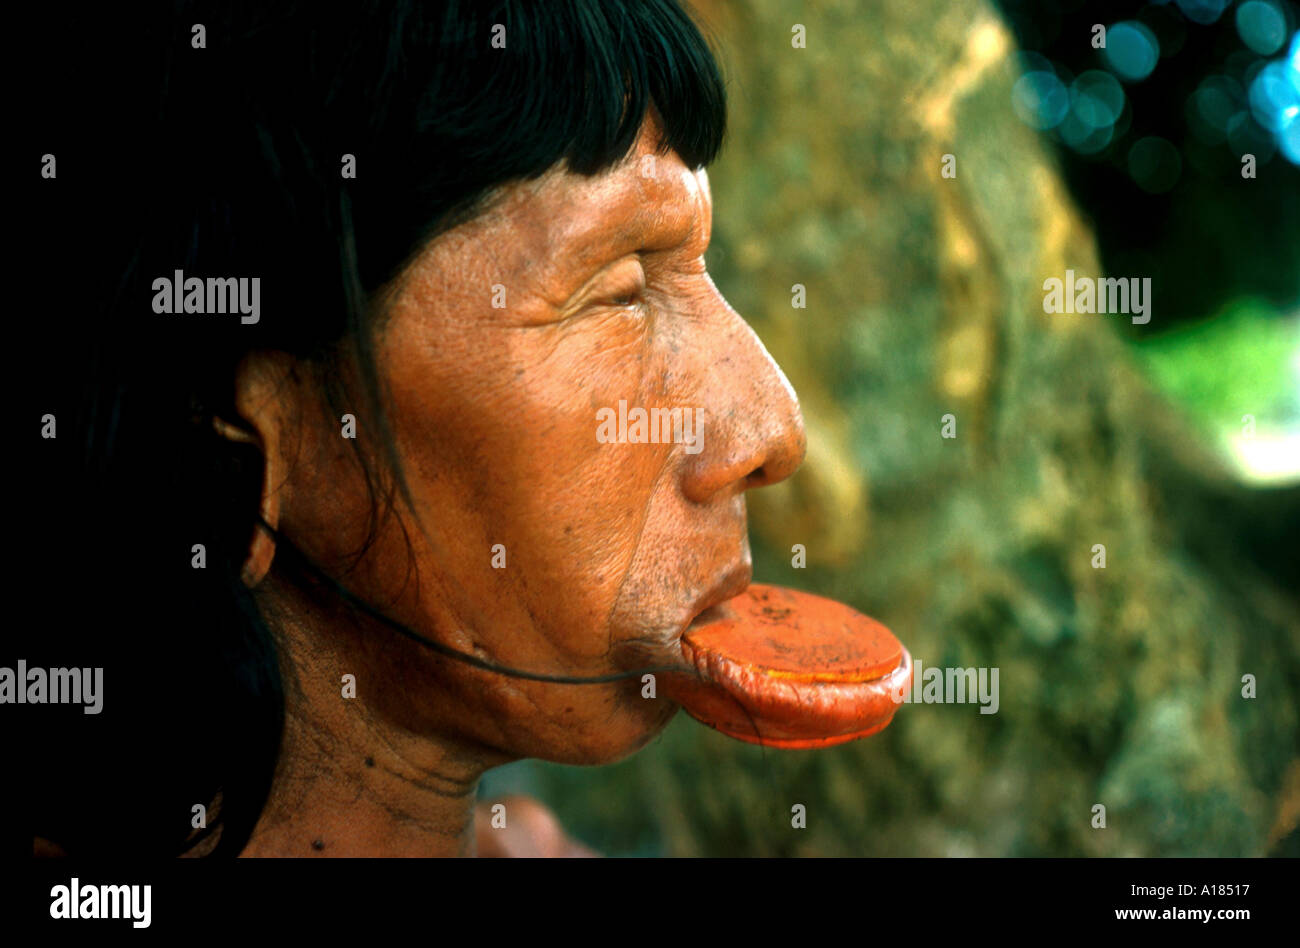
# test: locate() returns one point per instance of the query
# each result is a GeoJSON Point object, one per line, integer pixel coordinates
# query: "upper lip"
{"type": "Point", "coordinates": [732, 583]}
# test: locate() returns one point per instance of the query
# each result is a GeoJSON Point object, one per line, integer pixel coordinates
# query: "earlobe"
{"type": "Point", "coordinates": [261, 547]}
{"type": "Point", "coordinates": [256, 402]}
{"type": "Point", "coordinates": [261, 551]}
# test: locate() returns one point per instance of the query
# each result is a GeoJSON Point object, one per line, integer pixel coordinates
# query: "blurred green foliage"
{"type": "Point", "coordinates": [1240, 363]}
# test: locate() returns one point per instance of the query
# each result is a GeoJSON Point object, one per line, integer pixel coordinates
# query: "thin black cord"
{"type": "Point", "coordinates": [287, 550]}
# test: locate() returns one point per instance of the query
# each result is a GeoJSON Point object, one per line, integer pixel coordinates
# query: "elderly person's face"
{"type": "Point", "coordinates": [503, 341]}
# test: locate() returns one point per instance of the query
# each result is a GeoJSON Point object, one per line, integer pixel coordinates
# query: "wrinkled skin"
{"type": "Point", "coordinates": [611, 549]}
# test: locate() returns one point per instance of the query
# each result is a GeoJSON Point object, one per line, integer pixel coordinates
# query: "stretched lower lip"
{"type": "Point", "coordinates": [783, 668]}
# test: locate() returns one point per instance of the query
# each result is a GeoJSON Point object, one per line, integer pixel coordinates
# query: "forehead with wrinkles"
{"type": "Point", "coordinates": [562, 227]}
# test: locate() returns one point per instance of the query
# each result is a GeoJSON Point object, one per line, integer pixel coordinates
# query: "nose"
{"type": "Point", "coordinates": [752, 432]}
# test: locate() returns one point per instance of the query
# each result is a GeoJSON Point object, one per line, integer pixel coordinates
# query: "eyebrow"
{"type": "Point", "coordinates": [648, 226]}
{"type": "Point", "coordinates": [592, 248]}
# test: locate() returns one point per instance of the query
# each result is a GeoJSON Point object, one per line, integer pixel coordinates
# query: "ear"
{"type": "Point", "coordinates": [264, 392]}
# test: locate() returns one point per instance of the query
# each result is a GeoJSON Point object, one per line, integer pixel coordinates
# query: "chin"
{"type": "Point", "coordinates": [616, 738]}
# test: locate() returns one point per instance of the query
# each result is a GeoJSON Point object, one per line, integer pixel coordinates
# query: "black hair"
{"type": "Point", "coordinates": [225, 159]}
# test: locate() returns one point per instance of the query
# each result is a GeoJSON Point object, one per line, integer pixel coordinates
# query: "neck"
{"type": "Point", "coordinates": [350, 782]}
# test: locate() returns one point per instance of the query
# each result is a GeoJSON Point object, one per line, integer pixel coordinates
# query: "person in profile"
{"type": "Point", "coordinates": [326, 500]}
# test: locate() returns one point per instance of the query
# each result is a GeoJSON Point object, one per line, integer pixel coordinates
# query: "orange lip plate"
{"type": "Point", "coordinates": [789, 669]}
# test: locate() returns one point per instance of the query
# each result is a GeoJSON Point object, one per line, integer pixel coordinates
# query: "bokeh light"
{"type": "Point", "coordinates": [1203, 11]}
{"type": "Point", "coordinates": [1262, 26]}
{"type": "Point", "coordinates": [1288, 133]}
{"type": "Point", "coordinates": [1168, 25]}
{"type": "Point", "coordinates": [1274, 98]}
{"type": "Point", "coordinates": [1289, 142]}
{"type": "Point", "coordinates": [1154, 164]}
{"type": "Point", "coordinates": [1212, 106]}
{"type": "Point", "coordinates": [1243, 65]}
{"type": "Point", "coordinates": [1245, 137]}
{"type": "Point", "coordinates": [1132, 50]}
{"type": "Point", "coordinates": [1084, 138]}
{"type": "Point", "coordinates": [1096, 98]}
{"type": "Point", "coordinates": [1040, 99]}
{"type": "Point", "coordinates": [1250, 104]}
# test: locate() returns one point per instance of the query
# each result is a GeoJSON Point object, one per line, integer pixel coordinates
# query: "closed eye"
{"type": "Point", "coordinates": [626, 284]}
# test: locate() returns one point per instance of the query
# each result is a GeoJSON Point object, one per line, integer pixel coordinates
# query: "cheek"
{"type": "Point", "coordinates": [497, 428]}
